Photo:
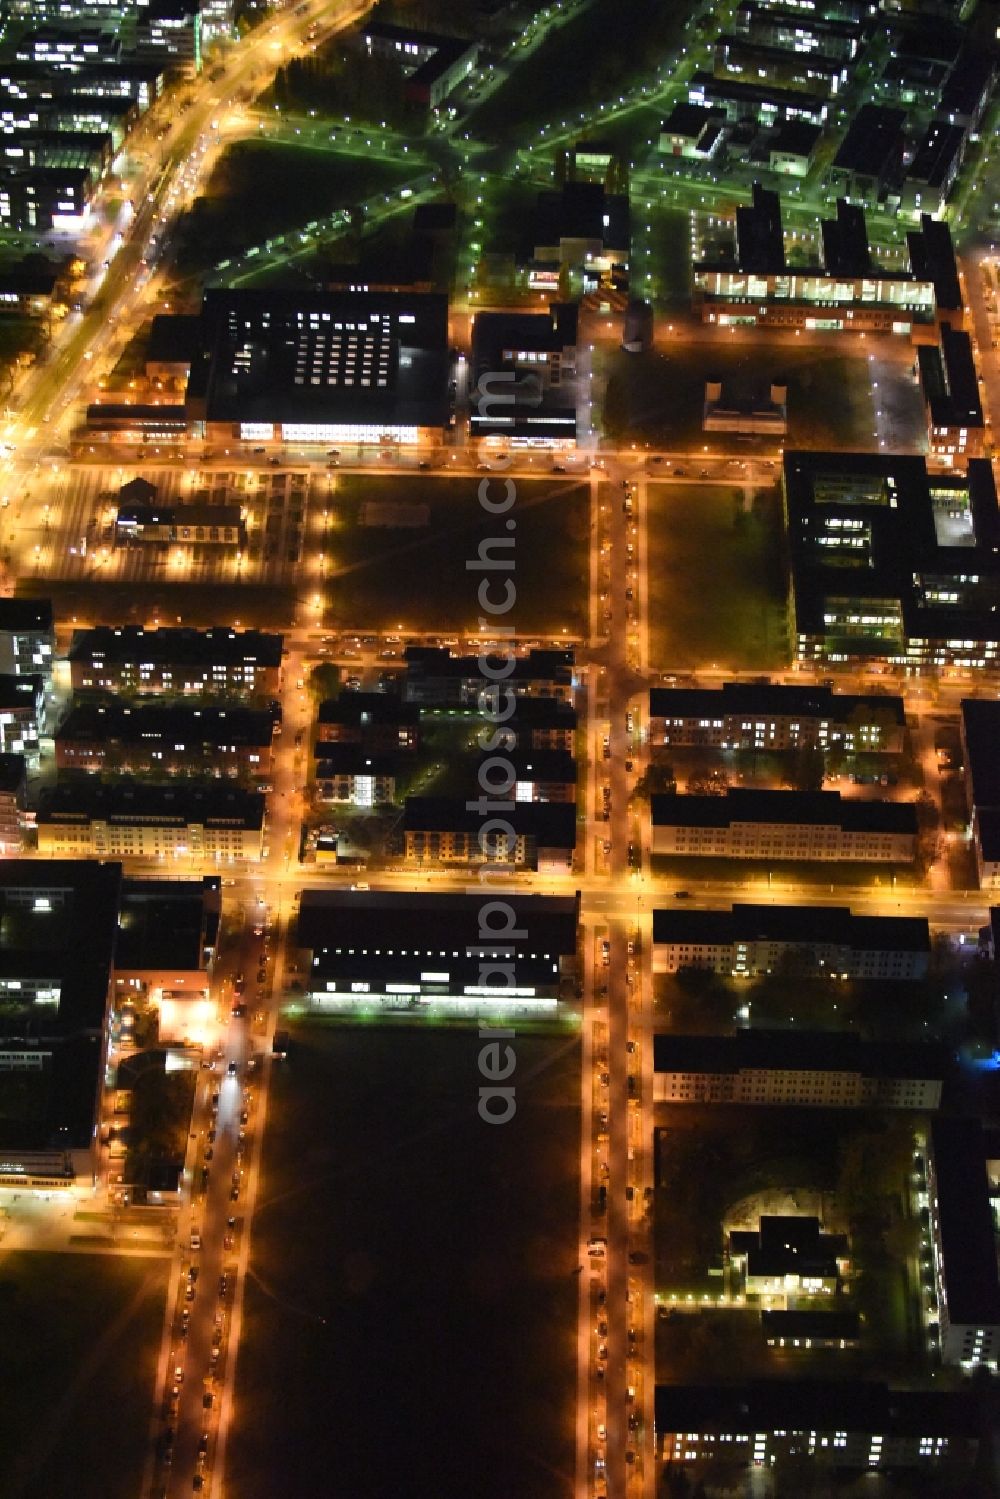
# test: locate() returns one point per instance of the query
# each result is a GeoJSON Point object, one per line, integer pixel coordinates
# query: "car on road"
{"type": "Point", "coordinates": [232, 1069]}
{"type": "Point", "coordinates": [208, 1400]}
{"type": "Point", "coordinates": [195, 1239]}
{"type": "Point", "coordinates": [682, 895]}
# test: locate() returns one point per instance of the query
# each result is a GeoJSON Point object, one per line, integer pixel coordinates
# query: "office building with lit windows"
{"type": "Point", "coordinates": [58, 928]}
{"type": "Point", "coordinates": [849, 1423]}
{"type": "Point", "coordinates": [890, 562]}
{"type": "Point", "coordinates": [847, 292]}
{"type": "Point", "coordinates": [417, 951]}
{"type": "Point", "coordinates": [749, 940]}
{"type": "Point", "coordinates": [949, 382]}
{"type": "Point", "coordinates": [770, 716]}
{"type": "Point", "coordinates": [365, 368]}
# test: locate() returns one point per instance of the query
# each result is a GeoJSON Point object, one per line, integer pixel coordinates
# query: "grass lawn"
{"type": "Point", "coordinates": [258, 189]}
{"type": "Point", "coordinates": [412, 1288]}
{"type": "Point", "coordinates": [715, 579]}
{"type": "Point", "coordinates": [657, 397]}
{"type": "Point", "coordinates": [197, 604]}
{"type": "Point", "coordinates": [620, 39]}
{"type": "Point", "coordinates": [77, 1365]}
{"type": "Point", "coordinates": [399, 578]}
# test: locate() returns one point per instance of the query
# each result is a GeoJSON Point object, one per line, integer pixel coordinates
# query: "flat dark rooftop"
{"type": "Point", "coordinates": [810, 807]}
{"type": "Point", "coordinates": [965, 1221]}
{"type": "Point", "coordinates": [179, 803]}
{"type": "Point", "coordinates": [283, 356]}
{"type": "Point", "coordinates": [807, 924]}
{"type": "Point", "coordinates": [366, 918]}
{"type": "Point", "coordinates": [773, 699]}
{"type": "Point", "coordinates": [116, 720]}
{"type": "Point", "coordinates": [551, 824]}
{"type": "Point", "coordinates": [797, 1051]}
{"type": "Point", "coordinates": [182, 647]}
{"type": "Point", "coordinates": [23, 616]}
{"type": "Point", "coordinates": [816, 1405]}
{"type": "Point", "coordinates": [981, 733]}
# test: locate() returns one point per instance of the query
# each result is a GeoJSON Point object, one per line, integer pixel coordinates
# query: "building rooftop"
{"type": "Point", "coordinates": [181, 723]}
{"type": "Point", "coordinates": [551, 824]}
{"type": "Point", "coordinates": [128, 644]}
{"type": "Point", "coordinates": [817, 808]}
{"type": "Point", "coordinates": [772, 699]}
{"type": "Point", "coordinates": [965, 1221]}
{"type": "Point", "coordinates": [25, 616]}
{"type": "Point", "coordinates": [873, 145]}
{"type": "Point", "coordinates": [363, 708]}
{"type": "Point", "coordinates": [583, 211]}
{"type": "Point", "coordinates": [911, 554]}
{"type": "Point", "coordinates": [352, 760]}
{"type": "Point", "coordinates": [845, 242]}
{"type": "Point", "coordinates": [22, 693]}
{"type": "Point", "coordinates": [932, 258]}
{"type": "Point", "coordinates": [834, 925]}
{"type": "Point", "coordinates": [168, 924]}
{"type": "Point", "coordinates": [691, 120]}
{"type": "Point", "coordinates": [760, 244]}
{"type": "Point", "coordinates": [949, 381]}
{"type": "Point", "coordinates": [981, 738]}
{"type": "Point", "coordinates": [123, 801]}
{"type": "Point", "coordinates": [544, 924]}
{"type": "Point", "coordinates": [936, 153]}
{"type": "Point", "coordinates": [797, 1051]}
{"type": "Point", "coordinates": [845, 1326]}
{"type": "Point", "coordinates": [12, 773]}
{"type": "Point", "coordinates": [850, 1405]}
{"type": "Point", "coordinates": [366, 358]}
{"type": "Point", "coordinates": [789, 1245]}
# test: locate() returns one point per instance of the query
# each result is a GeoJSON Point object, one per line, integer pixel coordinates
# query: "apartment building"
{"type": "Point", "coordinates": [766, 716]}
{"type": "Point", "coordinates": [532, 835]}
{"type": "Point", "coordinates": [850, 1423]}
{"type": "Point", "coordinates": [964, 1242]}
{"type": "Point", "coordinates": [378, 720]}
{"type": "Point", "coordinates": [103, 819]}
{"type": "Point", "coordinates": [164, 739]}
{"type": "Point", "coordinates": [436, 678]}
{"type": "Point", "coordinates": [219, 662]}
{"type": "Point", "coordinates": [801, 1069]}
{"type": "Point", "coordinates": [749, 940]}
{"type": "Point", "coordinates": [980, 727]}
{"type": "Point", "coordinates": [820, 826]}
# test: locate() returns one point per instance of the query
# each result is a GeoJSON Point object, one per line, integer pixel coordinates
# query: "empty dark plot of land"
{"type": "Point", "coordinates": [410, 1319]}
{"type": "Point", "coordinates": [77, 1371]}
{"type": "Point", "coordinates": [408, 577]}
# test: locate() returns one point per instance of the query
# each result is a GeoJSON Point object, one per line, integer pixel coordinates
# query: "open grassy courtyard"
{"type": "Point", "coordinates": [716, 596]}
{"type": "Point", "coordinates": [658, 397]}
